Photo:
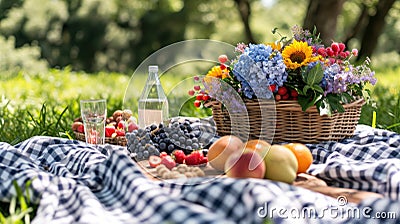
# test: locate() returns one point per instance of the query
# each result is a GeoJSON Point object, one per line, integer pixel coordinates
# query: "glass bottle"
{"type": "Point", "coordinates": [153, 103]}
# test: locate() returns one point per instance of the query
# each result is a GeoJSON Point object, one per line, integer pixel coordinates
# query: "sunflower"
{"type": "Point", "coordinates": [217, 72]}
{"type": "Point", "coordinates": [298, 54]}
{"type": "Point", "coordinates": [275, 45]}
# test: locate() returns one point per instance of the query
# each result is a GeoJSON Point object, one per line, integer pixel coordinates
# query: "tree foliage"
{"type": "Point", "coordinates": [95, 35]}
{"type": "Point", "coordinates": [116, 35]}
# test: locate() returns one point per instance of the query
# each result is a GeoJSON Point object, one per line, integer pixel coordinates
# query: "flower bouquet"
{"type": "Point", "coordinates": [295, 89]}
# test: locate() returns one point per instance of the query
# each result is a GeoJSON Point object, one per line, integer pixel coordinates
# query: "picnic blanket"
{"type": "Point", "coordinates": [74, 182]}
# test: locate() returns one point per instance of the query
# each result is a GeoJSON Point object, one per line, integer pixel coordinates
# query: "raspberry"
{"type": "Point", "coordinates": [330, 52]}
{"type": "Point", "coordinates": [194, 158]}
{"type": "Point", "coordinates": [191, 92]}
{"type": "Point", "coordinates": [204, 160]}
{"type": "Point", "coordinates": [179, 156]}
{"type": "Point", "coordinates": [197, 88]}
{"type": "Point", "coordinates": [342, 46]}
{"type": "Point", "coordinates": [278, 97]}
{"type": "Point", "coordinates": [335, 47]}
{"type": "Point", "coordinates": [322, 52]}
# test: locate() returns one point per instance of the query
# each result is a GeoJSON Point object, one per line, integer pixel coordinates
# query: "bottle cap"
{"type": "Point", "coordinates": [153, 68]}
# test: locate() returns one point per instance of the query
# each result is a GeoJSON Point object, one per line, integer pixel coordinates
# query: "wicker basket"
{"type": "Point", "coordinates": [119, 140]}
{"type": "Point", "coordinates": [284, 121]}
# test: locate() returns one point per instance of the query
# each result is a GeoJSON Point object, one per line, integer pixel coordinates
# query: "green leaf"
{"type": "Point", "coordinates": [314, 75]}
{"type": "Point", "coordinates": [334, 103]}
{"type": "Point", "coordinates": [346, 98]}
{"type": "Point", "coordinates": [306, 103]}
{"type": "Point", "coordinates": [318, 88]}
{"type": "Point", "coordinates": [305, 89]}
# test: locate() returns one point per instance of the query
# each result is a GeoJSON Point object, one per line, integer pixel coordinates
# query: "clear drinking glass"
{"type": "Point", "coordinates": [94, 113]}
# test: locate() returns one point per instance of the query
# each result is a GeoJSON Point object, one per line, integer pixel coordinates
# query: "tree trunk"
{"type": "Point", "coordinates": [374, 28]}
{"type": "Point", "coordinates": [245, 11]}
{"type": "Point", "coordinates": [323, 14]}
{"type": "Point", "coordinates": [359, 25]}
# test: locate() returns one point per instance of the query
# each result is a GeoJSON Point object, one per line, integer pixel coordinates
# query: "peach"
{"type": "Point", "coordinates": [221, 149]}
{"type": "Point", "coordinates": [248, 164]}
{"type": "Point", "coordinates": [280, 164]}
{"type": "Point", "coordinates": [258, 145]}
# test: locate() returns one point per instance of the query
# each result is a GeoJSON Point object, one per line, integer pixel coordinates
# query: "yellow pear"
{"type": "Point", "coordinates": [280, 164]}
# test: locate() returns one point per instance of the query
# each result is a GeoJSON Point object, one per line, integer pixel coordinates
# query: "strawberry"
{"type": "Point", "coordinates": [121, 125]}
{"type": "Point", "coordinates": [222, 66]}
{"type": "Point", "coordinates": [109, 130]}
{"type": "Point", "coordinates": [194, 158]}
{"type": "Point", "coordinates": [154, 161]}
{"type": "Point", "coordinates": [179, 156]}
{"type": "Point", "coordinates": [163, 154]}
{"type": "Point", "coordinates": [80, 128]}
{"type": "Point", "coordinates": [168, 162]}
{"type": "Point", "coordinates": [120, 132]}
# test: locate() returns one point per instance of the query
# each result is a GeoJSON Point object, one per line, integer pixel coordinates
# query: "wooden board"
{"type": "Point", "coordinates": [303, 180]}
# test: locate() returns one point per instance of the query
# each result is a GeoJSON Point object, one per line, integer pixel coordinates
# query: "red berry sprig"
{"type": "Point", "coordinates": [284, 93]}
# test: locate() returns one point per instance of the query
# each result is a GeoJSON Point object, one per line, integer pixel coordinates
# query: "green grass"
{"type": "Point", "coordinates": [385, 101]}
{"type": "Point", "coordinates": [46, 104]}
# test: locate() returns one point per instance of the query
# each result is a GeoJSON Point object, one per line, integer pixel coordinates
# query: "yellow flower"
{"type": "Point", "coordinates": [298, 54]}
{"type": "Point", "coordinates": [217, 72]}
{"type": "Point", "coordinates": [275, 45]}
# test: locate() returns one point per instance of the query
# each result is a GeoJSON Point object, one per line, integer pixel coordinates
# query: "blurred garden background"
{"type": "Point", "coordinates": [55, 52]}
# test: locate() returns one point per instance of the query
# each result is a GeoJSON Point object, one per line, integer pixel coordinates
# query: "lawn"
{"type": "Point", "coordinates": [46, 104]}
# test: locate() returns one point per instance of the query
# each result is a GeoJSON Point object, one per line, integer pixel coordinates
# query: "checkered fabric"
{"type": "Point", "coordinates": [78, 183]}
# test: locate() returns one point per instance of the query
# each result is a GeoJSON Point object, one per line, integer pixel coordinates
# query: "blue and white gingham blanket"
{"type": "Point", "coordinates": [78, 183]}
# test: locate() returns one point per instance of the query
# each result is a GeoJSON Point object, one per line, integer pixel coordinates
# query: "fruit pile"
{"type": "Point", "coordinates": [284, 93]}
{"type": "Point", "coordinates": [154, 139]}
{"type": "Point", "coordinates": [118, 124]}
{"type": "Point", "coordinates": [259, 159]}
{"type": "Point", "coordinates": [178, 157]}
{"type": "Point", "coordinates": [180, 171]}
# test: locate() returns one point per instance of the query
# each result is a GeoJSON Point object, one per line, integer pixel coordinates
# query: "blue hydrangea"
{"type": "Point", "coordinates": [330, 73]}
{"type": "Point", "coordinates": [258, 68]}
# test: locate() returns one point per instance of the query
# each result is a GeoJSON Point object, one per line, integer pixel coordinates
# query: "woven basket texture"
{"type": "Point", "coordinates": [284, 121]}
